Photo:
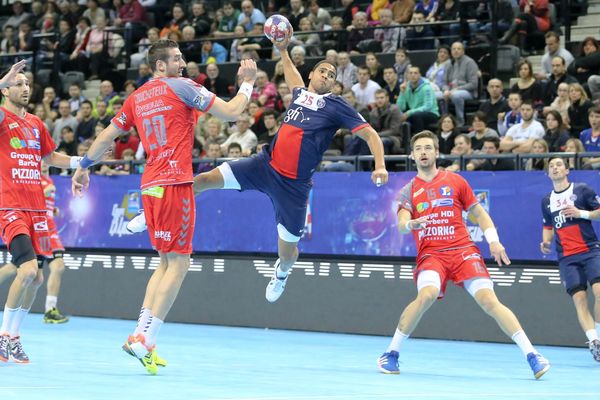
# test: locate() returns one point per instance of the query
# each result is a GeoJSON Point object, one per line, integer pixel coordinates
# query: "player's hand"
{"type": "Point", "coordinates": [545, 247]}
{"type": "Point", "coordinates": [247, 70]}
{"type": "Point", "coordinates": [571, 212]}
{"type": "Point", "coordinates": [379, 176]}
{"type": "Point", "coordinates": [499, 253]}
{"type": "Point", "coordinates": [283, 44]}
{"type": "Point", "coordinates": [80, 181]}
{"type": "Point", "coordinates": [417, 224]}
{"type": "Point", "coordinates": [10, 79]}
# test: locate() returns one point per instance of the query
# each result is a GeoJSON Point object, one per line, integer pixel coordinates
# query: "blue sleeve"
{"type": "Point", "coordinates": [194, 95]}
{"type": "Point", "coordinates": [546, 217]}
{"type": "Point", "coordinates": [591, 198]}
{"type": "Point", "coordinates": [348, 117]}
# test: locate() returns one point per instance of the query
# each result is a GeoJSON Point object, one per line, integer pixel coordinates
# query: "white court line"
{"type": "Point", "coordinates": [409, 395]}
{"type": "Point", "coordinates": [31, 387]}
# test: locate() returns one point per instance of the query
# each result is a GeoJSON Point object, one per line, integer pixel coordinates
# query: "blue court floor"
{"type": "Point", "coordinates": [83, 360]}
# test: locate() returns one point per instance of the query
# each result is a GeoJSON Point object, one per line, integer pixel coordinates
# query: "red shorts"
{"type": "Point", "coordinates": [55, 243]}
{"type": "Point", "coordinates": [453, 265]}
{"type": "Point", "coordinates": [31, 223]}
{"type": "Point", "coordinates": [171, 217]}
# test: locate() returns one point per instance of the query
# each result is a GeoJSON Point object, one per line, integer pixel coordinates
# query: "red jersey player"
{"type": "Point", "coordinates": [55, 263]}
{"type": "Point", "coordinates": [164, 112]}
{"type": "Point", "coordinates": [24, 142]}
{"type": "Point", "coordinates": [431, 207]}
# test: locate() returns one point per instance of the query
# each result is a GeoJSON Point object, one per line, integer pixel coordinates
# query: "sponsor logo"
{"type": "Point", "coordinates": [173, 163]}
{"type": "Point", "coordinates": [122, 118]}
{"type": "Point", "coordinates": [13, 125]}
{"type": "Point", "coordinates": [418, 192]}
{"type": "Point", "coordinates": [164, 235]}
{"type": "Point", "coordinates": [40, 224]}
{"type": "Point", "coordinates": [26, 174]}
{"type": "Point", "coordinates": [19, 144]}
{"type": "Point", "coordinates": [442, 203]}
{"type": "Point", "coordinates": [422, 206]}
{"type": "Point", "coordinates": [36, 133]}
{"type": "Point", "coordinates": [446, 191]}
{"type": "Point", "coordinates": [573, 197]}
{"type": "Point", "coordinates": [321, 102]}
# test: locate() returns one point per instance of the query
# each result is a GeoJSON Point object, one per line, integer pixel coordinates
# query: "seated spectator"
{"type": "Point", "coordinates": [193, 72]}
{"type": "Point", "coordinates": [417, 101]}
{"type": "Point", "coordinates": [26, 41]}
{"type": "Point", "coordinates": [200, 20]}
{"type": "Point", "coordinates": [539, 146]}
{"type": "Point", "coordinates": [578, 111]}
{"type": "Point", "coordinates": [86, 122]}
{"type": "Point", "coordinates": [255, 111]}
{"type": "Point", "coordinates": [402, 11]}
{"type": "Point", "coordinates": [283, 90]}
{"type": "Point", "coordinates": [419, 37]}
{"type": "Point", "coordinates": [480, 131]}
{"type": "Point", "coordinates": [214, 131]}
{"type": "Point", "coordinates": [449, 11]}
{"type": "Point", "coordinates": [64, 46]}
{"type": "Point", "coordinates": [234, 150]}
{"type": "Point", "coordinates": [588, 61]}
{"type": "Point", "coordinates": [429, 9]}
{"type": "Point", "coordinates": [365, 88]}
{"type": "Point", "coordinates": [561, 103]}
{"type": "Point", "coordinates": [437, 72]}
{"type": "Point", "coordinates": [92, 11]}
{"type": "Point", "coordinates": [401, 64]}
{"type": "Point", "coordinates": [461, 81]}
{"type": "Point", "coordinates": [65, 119]}
{"type": "Point", "coordinates": [152, 35]}
{"type": "Point", "coordinates": [101, 113]}
{"type": "Point", "coordinates": [559, 76]}
{"type": "Point", "coordinates": [462, 147]}
{"type": "Point", "coordinates": [298, 56]}
{"type": "Point", "coordinates": [243, 136]}
{"type": "Point", "coordinates": [310, 41]}
{"type": "Point", "coordinates": [527, 86]}
{"type": "Point", "coordinates": [392, 85]}
{"type": "Point", "coordinates": [278, 75]}
{"type": "Point", "coordinates": [250, 16]}
{"type": "Point", "coordinates": [264, 91]}
{"type": "Point", "coordinates": [386, 119]}
{"type": "Point", "coordinates": [19, 15]}
{"type": "Point", "coordinates": [520, 137]}
{"type": "Point", "coordinates": [553, 49]}
{"type": "Point", "coordinates": [513, 116]}
{"type": "Point", "coordinates": [8, 45]}
{"type": "Point", "coordinates": [108, 95]}
{"type": "Point", "coordinates": [125, 141]}
{"type": "Point", "coordinates": [257, 42]}
{"type": "Point", "coordinates": [177, 23]}
{"type": "Point", "coordinates": [128, 88]}
{"type": "Point", "coordinates": [346, 70]}
{"type": "Point", "coordinates": [447, 131]}
{"type": "Point", "coordinates": [388, 37]}
{"type": "Point", "coordinates": [92, 56]}
{"type": "Point", "coordinates": [319, 16]}
{"type": "Point", "coordinates": [574, 146]}
{"type": "Point", "coordinates": [75, 98]}
{"type": "Point", "coordinates": [337, 89]}
{"type": "Point", "coordinates": [491, 145]}
{"type": "Point", "coordinates": [591, 137]}
{"type": "Point", "coordinates": [213, 50]}
{"type": "Point", "coordinates": [360, 36]}
{"type": "Point", "coordinates": [496, 104]}
{"type": "Point", "coordinates": [216, 83]}
{"type": "Point", "coordinates": [350, 97]}
{"type": "Point", "coordinates": [269, 119]}
{"type": "Point", "coordinates": [534, 17]}
{"type": "Point", "coordinates": [556, 133]}
{"type": "Point", "coordinates": [190, 48]}
{"type": "Point", "coordinates": [68, 142]}
{"type": "Point", "coordinates": [207, 162]}
{"type": "Point", "coordinates": [375, 69]}
{"type": "Point", "coordinates": [228, 21]}
{"type": "Point", "coordinates": [50, 102]}
{"type": "Point", "coordinates": [337, 37]}
{"type": "Point", "coordinates": [40, 112]}
{"type": "Point", "coordinates": [350, 10]}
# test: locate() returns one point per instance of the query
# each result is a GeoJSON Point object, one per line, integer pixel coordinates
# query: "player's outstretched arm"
{"type": "Point", "coordinates": [292, 77]}
{"type": "Point", "coordinates": [10, 79]}
{"type": "Point", "coordinates": [232, 109]}
{"type": "Point", "coordinates": [379, 176]}
{"type": "Point", "coordinates": [491, 235]}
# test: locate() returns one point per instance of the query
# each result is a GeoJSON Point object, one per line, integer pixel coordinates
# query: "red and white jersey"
{"type": "Point", "coordinates": [23, 144]}
{"type": "Point", "coordinates": [50, 196]}
{"type": "Point", "coordinates": [442, 201]}
{"type": "Point", "coordinates": [163, 112]}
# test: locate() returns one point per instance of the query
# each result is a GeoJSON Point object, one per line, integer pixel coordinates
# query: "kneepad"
{"type": "Point", "coordinates": [21, 250]}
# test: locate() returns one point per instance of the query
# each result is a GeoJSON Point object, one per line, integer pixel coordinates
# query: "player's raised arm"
{"type": "Point", "coordinates": [292, 77]}
{"type": "Point", "coordinates": [369, 135]}
{"type": "Point", "coordinates": [231, 110]}
{"type": "Point", "coordinates": [491, 234]}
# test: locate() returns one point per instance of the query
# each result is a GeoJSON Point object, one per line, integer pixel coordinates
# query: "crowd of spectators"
{"type": "Point", "coordinates": [552, 110]}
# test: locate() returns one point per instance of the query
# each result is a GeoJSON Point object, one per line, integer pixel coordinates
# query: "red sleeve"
{"type": "Point", "coordinates": [47, 144]}
{"type": "Point", "coordinates": [124, 119]}
{"type": "Point", "coordinates": [465, 193]}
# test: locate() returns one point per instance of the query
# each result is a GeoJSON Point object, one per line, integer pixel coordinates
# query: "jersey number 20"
{"type": "Point", "coordinates": [156, 126]}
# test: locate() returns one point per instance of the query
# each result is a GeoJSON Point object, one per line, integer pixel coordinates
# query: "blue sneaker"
{"type": "Point", "coordinates": [539, 365]}
{"type": "Point", "coordinates": [388, 363]}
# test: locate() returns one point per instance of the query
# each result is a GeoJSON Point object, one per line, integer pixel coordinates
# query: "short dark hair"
{"type": "Point", "coordinates": [271, 112]}
{"type": "Point", "coordinates": [118, 101]}
{"type": "Point", "coordinates": [464, 136]}
{"type": "Point", "coordinates": [527, 102]}
{"type": "Point", "coordinates": [159, 51]}
{"type": "Point", "coordinates": [325, 62]}
{"type": "Point", "coordinates": [553, 34]}
{"type": "Point", "coordinates": [87, 102]}
{"type": "Point", "coordinates": [480, 115]}
{"type": "Point", "coordinates": [425, 135]}
{"type": "Point", "coordinates": [493, 140]}
{"type": "Point", "coordinates": [594, 109]}
{"type": "Point", "coordinates": [234, 145]}
{"type": "Point", "coordinates": [563, 159]}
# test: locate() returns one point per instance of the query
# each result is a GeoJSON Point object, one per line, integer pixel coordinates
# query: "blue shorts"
{"type": "Point", "coordinates": [289, 196]}
{"type": "Point", "coordinates": [577, 270]}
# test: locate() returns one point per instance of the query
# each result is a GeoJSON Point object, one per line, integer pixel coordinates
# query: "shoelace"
{"type": "Point", "coordinates": [17, 347]}
{"type": "Point", "coordinates": [4, 342]}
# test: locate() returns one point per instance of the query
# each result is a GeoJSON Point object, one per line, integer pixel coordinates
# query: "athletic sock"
{"type": "Point", "coordinates": [143, 319]}
{"type": "Point", "coordinates": [397, 340]}
{"type": "Point", "coordinates": [151, 331]}
{"type": "Point", "coordinates": [17, 321]}
{"type": "Point", "coordinates": [591, 334]}
{"type": "Point", "coordinates": [7, 319]}
{"type": "Point", "coordinates": [51, 302]}
{"type": "Point", "coordinates": [521, 339]}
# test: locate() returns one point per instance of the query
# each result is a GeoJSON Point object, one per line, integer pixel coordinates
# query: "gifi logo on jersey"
{"type": "Point", "coordinates": [19, 144]}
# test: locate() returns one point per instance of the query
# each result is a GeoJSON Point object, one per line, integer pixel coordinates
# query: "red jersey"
{"type": "Point", "coordinates": [23, 144]}
{"type": "Point", "coordinates": [50, 197]}
{"type": "Point", "coordinates": [163, 112]}
{"type": "Point", "coordinates": [442, 201]}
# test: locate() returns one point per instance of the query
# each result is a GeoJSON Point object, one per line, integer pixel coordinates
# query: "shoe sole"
{"type": "Point", "coordinates": [542, 372]}
{"type": "Point", "coordinates": [128, 350]}
{"type": "Point", "coordinates": [19, 361]}
{"type": "Point", "coordinates": [3, 359]}
{"type": "Point", "coordinates": [385, 371]}
{"type": "Point", "coordinates": [55, 321]}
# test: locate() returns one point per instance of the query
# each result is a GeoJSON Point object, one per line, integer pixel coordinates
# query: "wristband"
{"type": "Point", "coordinates": [85, 162]}
{"type": "Point", "coordinates": [74, 162]}
{"type": "Point", "coordinates": [491, 235]}
{"type": "Point", "coordinates": [246, 89]}
{"type": "Point", "coordinates": [407, 226]}
{"type": "Point", "coordinates": [584, 214]}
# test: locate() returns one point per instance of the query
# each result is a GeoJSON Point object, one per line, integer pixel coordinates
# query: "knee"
{"type": "Point", "coordinates": [57, 266]}
{"type": "Point", "coordinates": [37, 281]}
{"type": "Point", "coordinates": [488, 303]}
{"type": "Point", "coordinates": [27, 275]}
{"type": "Point", "coordinates": [287, 255]}
{"type": "Point", "coordinates": [427, 296]}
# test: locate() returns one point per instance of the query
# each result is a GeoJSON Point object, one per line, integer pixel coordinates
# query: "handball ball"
{"type": "Point", "coordinates": [278, 28]}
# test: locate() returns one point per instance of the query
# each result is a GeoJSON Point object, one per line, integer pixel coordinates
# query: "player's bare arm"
{"type": "Point", "coordinates": [491, 235]}
{"type": "Point", "coordinates": [547, 237]}
{"type": "Point", "coordinates": [60, 160]}
{"type": "Point", "coordinates": [407, 225]}
{"type": "Point", "coordinates": [573, 212]}
{"type": "Point", "coordinates": [231, 110]}
{"type": "Point", "coordinates": [379, 176]}
{"type": "Point", "coordinates": [292, 77]}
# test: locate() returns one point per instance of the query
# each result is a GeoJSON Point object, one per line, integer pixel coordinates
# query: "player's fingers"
{"type": "Point", "coordinates": [498, 259]}
{"type": "Point", "coordinates": [505, 257]}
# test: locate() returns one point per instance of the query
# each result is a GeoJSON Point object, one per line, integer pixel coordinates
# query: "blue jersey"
{"type": "Point", "coordinates": [573, 235]}
{"type": "Point", "coordinates": [308, 127]}
{"type": "Point", "coordinates": [590, 143]}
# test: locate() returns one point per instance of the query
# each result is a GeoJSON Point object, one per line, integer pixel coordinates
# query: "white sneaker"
{"type": "Point", "coordinates": [276, 285]}
{"type": "Point", "coordinates": [137, 223]}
